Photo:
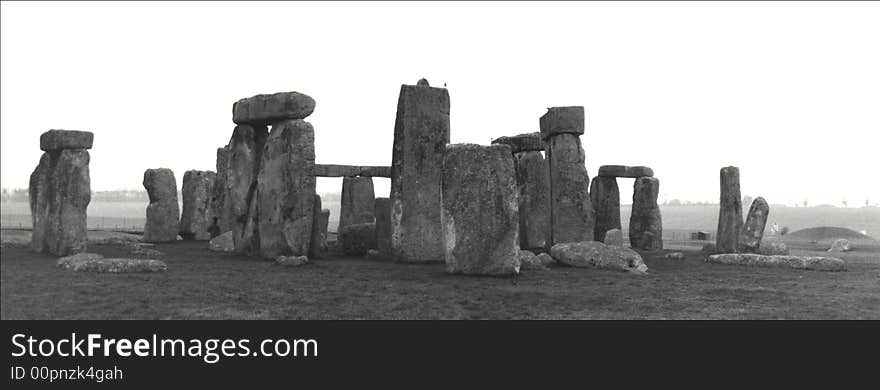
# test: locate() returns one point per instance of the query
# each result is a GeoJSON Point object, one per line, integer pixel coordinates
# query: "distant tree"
{"type": "Point", "coordinates": [783, 230]}
{"type": "Point", "coordinates": [675, 202]}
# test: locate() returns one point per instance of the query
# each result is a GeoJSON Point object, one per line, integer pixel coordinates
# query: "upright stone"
{"type": "Point", "coordinates": [533, 183]}
{"type": "Point", "coordinates": [318, 241]}
{"type": "Point", "coordinates": [730, 219]}
{"type": "Point", "coordinates": [571, 212]}
{"type": "Point", "coordinates": [383, 225]}
{"type": "Point", "coordinates": [195, 220]}
{"type": "Point", "coordinates": [286, 189]}
{"type": "Point", "coordinates": [357, 203]}
{"type": "Point", "coordinates": [753, 230]}
{"type": "Point", "coordinates": [421, 132]}
{"type": "Point", "coordinates": [645, 223]}
{"type": "Point", "coordinates": [480, 210]}
{"type": "Point", "coordinates": [163, 212]}
{"type": "Point", "coordinates": [605, 196]}
{"type": "Point", "coordinates": [220, 217]}
{"type": "Point", "coordinates": [245, 155]}
{"type": "Point", "coordinates": [59, 195]}
{"type": "Point", "coordinates": [39, 193]}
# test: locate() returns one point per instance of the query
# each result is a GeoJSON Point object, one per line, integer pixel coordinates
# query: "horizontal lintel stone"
{"type": "Point", "coordinates": [332, 170]}
{"type": "Point", "coordinates": [522, 142]}
{"type": "Point", "coordinates": [625, 171]}
{"type": "Point", "coordinates": [66, 139]}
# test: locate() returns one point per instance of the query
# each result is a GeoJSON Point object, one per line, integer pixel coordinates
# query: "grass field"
{"type": "Point", "coordinates": [201, 284]}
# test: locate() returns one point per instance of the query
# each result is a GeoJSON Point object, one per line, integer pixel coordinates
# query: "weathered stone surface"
{"type": "Point", "coordinates": [221, 219]}
{"type": "Point", "coordinates": [271, 108]}
{"type": "Point", "coordinates": [480, 210]}
{"type": "Point", "coordinates": [286, 189]}
{"type": "Point", "coordinates": [195, 220]}
{"type": "Point", "coordinates": [67, 260]}
{"type": "Point", "coordinates": [572, 218]}
{"type": "Point", "coordinates": [840, 245]}
{"type": "Point", "coordinates": [54, 140]}
{"type": "Point", "coordinates": [421, 132]}
{"type": "Point", "coordinates": [358, 201]}
{"type": "Point", "coordinates": [163, 212]}
{"type": "Point", "coordinates": [533, 183]}
{"type": "Point", "coordinates": [528, 261]}
{"type": "Point", "coordinates": [800, 262]}
{"type": "Point", "coordinates": [59, 194]}
{"type": "Point", "coordinates": [613, 237]}
{"type": "Point", "coordinates": [356, 239]}
{"type": "Point", "coordinates": [773, 247]}
{"type": "Point", "coordinates": [528, 142]}
{"type": "Point", "coordinates": [546, 259]}
{"type": "Point", "coordinates": [329, 170]}
{"type": "Point", "coordinates": [674, 256]}
{"type": "Point", "coordinates": [291, 261]}
{"type": "Point", "coordinates": [753, 229]}
{"type": "Point", "coordinates": [423, 83]}
{"type": "Point", "coordinates": [383, 225]}
{"type": "Point", "coordinates": [320, 219]}
{"type": "Point", "coordinates": [562, 120]}
{"type": "Point", "coordinates": [645, 222]}
{"type": "Point", "coordinates": [625, 171]}
{"type": "Point", "coordinates": [245, 156]}
{"type": "Point", "coordinates": [730, 219]}
{"type": "Point", "coordinates": [593, 254]}
{"type": "Point", "coordinates": [115, 266]}
{"type": "Point", "coordinates": [605, 197]}
{"type": "Point", "coordinates": [222, 243]}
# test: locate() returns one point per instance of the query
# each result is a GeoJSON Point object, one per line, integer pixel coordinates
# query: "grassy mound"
{"type": "Point", "coordinates": [827, 233]}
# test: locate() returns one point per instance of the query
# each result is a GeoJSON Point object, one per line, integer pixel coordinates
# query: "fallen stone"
{"type": "Point", "coordinates": [356, 239]}
{"type": "Point", "coordinates": [291, 261]}
{"type": "Point", "coordinates": [318, 240]}
{"type": "Point", "coordinates": [383, 225]}
{"type": "Point", "coordinates": [572, 218]}
{"type": "Point", "coordinates": [59, 195]}
{"type": "Point", "coordinates": [528, 261]}
{"type": "Point", "coordinates": [83, 256]}
{"type": "Point", "coordinates": [480, 210]}
{"type": "Point", "coordinates": [245, 155]}
{"type": "Point", "coordinates": [196, 219]}
{"type": "Point", "coordinates": [625, 171]}
{"type": "Point", "coordinates": [674, 256]}
{"type": "Point", "coordinates": [562, 120]}
{"type": "Point", "coordinates": [222, 243]}
{"type": "Point", "coordinates": [605, 197]}
{"type": "Point", "coordinates": [730, 219]}
{"type": "Point", "coordinates": [327, 170]}
{"type": "Point", "coordinates": [286, 190]}
{"type": "Point", "coordinates": [140, 250]}
{"type": "Point", "coordinates": [358, 201]}
{"type": "Point", "coordinates": [545, 259]}
{"type": "Point", "coordinates": [54, 140]}
{"type": "Point", "coordinates": [163, 212]}
{"type": "Point", "coordinates": [799, 262]}
{"type": "Point", "coordinates": [528, 142]}
{"type": "Point", "coordinates": [113, 238]}
{"type": "Point", "coordinates": [421, 132]}
{"type": "Point", "coordinates": [613, 237]}
{"type": "Point", "coordinates": [593, 254]}
{"type": "Point", "coordinates": [645, 222]}
{"type": "Point", "coordinates": [103, 265]}
{"type": "Point", "coordinates": [533, 183]}
{"type": "Point", "coordinates": [753, 229]}
{"type": "Point", "coordinates": [840, 245]}
{"type": "Point", "coordinates": [269, 109]}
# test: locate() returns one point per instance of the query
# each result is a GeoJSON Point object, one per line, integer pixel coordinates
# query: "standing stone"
{"type": "Point", "coordinates": [318, 241]}
{"type": "Point", "coordinates": [645, 224]}
{"type": "Point", "coordinates": [383, 226]}
{"type": "Point", "coordinates": [730, 219]}
{"type": "Point", "coordinates": [753, 230]}
{"type": "Point", "coordinates": [421, 132]}
{"type": "Point", "coordinates": [480, 210]}
{"type": "Point", "coordinates": [286, 189]}
{"type": "Point", "coordinates": [163, 212]}
{"type": "Point", "coordinates": [220, 217]}
{"type": "Point", "coordinates": [571, 212]}
{"type": "Point", "coordinates": [533, 183]}
{"type": "Point", "coordinates": [605, 196]}
{"type": "Point", "coordinates": [245, 154]}
{"type": "Point", "coordinates": [38, 195]}
{"type": "Point", "coordinates": [195, 220]}
{"type": "Point", "coordinates": [357, 203]}
{"type": "Point", "coordinates": [613, 237]}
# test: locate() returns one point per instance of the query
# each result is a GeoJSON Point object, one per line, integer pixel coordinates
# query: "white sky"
{"type": "Point", "coordinates": [789, 92]}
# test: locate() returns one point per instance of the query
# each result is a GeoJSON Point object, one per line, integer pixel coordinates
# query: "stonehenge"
{"type": "Point", "coordinates": [533, 184]}
{"type": "Point", "coordinates": [480, 212]}
{"type": "Point", "coordinates": [730, 212]}
{"type": "Point", "coordinates": [383, 226]}
{"type": "Point", "coordinates": [605, 196]}
{"type": "Point", "coordinates": [163, 212]}
{"type": "Point", "coordinates": [320, 220]}
{"type": "Point", "coordinates": [815, 263]}
{"type": "Point", "coordinates": [196, 218]}
{"type": "Point", "coordinates": [220, 222]}
{"type": "Point", "coordinates": [59, 193]}
{"type": "Point", "coordinates": [645, 224]}
{"type": "Point", "coordinates": [421, 132]}
{"type": "Point", "coordinates": [330, 170]}
{"type": "Point", "coordinates": [572, 216]}
{"type": "Point", "coordinates": [753, 229]}
{"type": "Point", "coordinates": [357, 201]}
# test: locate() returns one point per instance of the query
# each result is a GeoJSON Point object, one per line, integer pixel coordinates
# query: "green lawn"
{"type": "Point", "coordinates": [201, 284]}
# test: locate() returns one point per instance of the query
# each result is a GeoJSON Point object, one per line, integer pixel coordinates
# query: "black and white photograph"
{"type": "Point", "coordinates": [388, 161]}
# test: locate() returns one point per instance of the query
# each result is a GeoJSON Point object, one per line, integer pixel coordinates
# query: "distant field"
{"type": "Point", "coordinates": [677, 220]}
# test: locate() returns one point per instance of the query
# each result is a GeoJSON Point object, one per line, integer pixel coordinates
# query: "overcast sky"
{"type": "Point", "coordinates": [789, 92]}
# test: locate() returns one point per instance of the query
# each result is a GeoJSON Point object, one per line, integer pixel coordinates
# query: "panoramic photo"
{"type": "Point", "coordinates": [488, 161]}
